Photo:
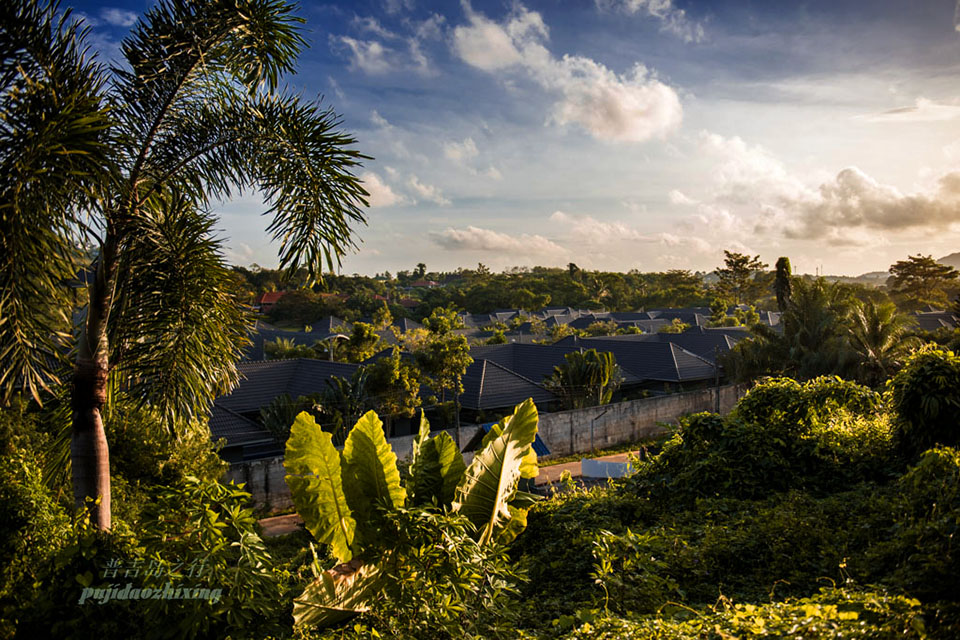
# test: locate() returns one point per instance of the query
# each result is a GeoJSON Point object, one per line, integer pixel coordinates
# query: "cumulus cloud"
{"type": "Point", "coordinates": [753, 190]}
{"type": "Point", "coordinates": [118, 17]}
{"type": "Point", "coordinates": [427, 192]}
{"type": "Point", "coordinates": [923, 111]}
{"type": "Point", "coordinates": [745, 173]}
{"type": "Point", "coordinates": [855, 200]}
{"type": "Point", "coordinates": [381, 195]}
{"type": "Point", "coordinates": [630, 107]}
{"type": "Point", "coordinates": [477, 239]}
{"type": "Point", "coordinates": [673, 20]}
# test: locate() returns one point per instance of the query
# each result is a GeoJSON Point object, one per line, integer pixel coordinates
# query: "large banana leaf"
{"type": "Point", "coordinates": [370, 475]}
{"type": "Point", "coordinates": [490, 482]}
{"type": "Point", "coordinates": [529, 467]}
{"type": "Point", "coordinates": [313, 475]}
{"type": "Point", "coordinates": [422, 436]}
{"type": "Point", "coordinates": [437, 472]}
{"type": "Point", "coordinates": [339, 593]}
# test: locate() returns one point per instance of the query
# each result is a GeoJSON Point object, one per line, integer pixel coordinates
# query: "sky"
{"type": "Point", "coordinates": [630, 134]}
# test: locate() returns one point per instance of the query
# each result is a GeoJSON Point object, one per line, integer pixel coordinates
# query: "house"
{"type": "Point", "coordinates": [266, 300]}
{"type": "Point", "coordinates": [424, 284]}
{"type": "Point", "coordinates": [235, 416]}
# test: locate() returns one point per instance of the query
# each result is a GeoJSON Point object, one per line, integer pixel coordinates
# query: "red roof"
{"type": "Point", "coordinates": [269, 297]}
{"type": "Point", "coordinates": [409, 303]}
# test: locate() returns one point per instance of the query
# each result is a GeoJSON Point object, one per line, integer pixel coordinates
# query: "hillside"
{"type": "Point", "coordinates": [952, 260]}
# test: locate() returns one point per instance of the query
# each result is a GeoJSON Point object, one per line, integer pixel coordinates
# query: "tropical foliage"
{"type": "Point", "coordinates": [348, 500]}
{"type": "Point", "coordinates": [129, 159]}
{"type": "Point", "coordinates": [586, 378]}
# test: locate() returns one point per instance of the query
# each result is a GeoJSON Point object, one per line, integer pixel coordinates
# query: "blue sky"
{"type": "Point", "coordinates": [622, 134]}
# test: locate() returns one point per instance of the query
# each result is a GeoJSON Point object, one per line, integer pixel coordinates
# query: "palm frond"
{"type": "Point", "coordinates": [178, 331]}
{"type": "Point", "coordinates": [52, 129]}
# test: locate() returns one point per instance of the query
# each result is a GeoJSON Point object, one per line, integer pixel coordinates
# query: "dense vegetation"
{"type": "Point", "coordinates": [816, 509]}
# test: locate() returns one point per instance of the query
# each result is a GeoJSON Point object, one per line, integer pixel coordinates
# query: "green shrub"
{"type": "Point", "coordinates": [820, 435]}
{"type": "Point", "coordinates": [920, 556]}
{"type": "Point", "coordinates": [831, 614]}
{"type": "Point", "coordinates": [443, 584]}
{"type": "Point", "coordinates": [926, 397]}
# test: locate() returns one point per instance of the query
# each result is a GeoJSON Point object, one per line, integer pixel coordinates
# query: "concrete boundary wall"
{"type": "Point", "coordinates": [568, 432]}
{"type": "Point", "coordinates": [564, 433]}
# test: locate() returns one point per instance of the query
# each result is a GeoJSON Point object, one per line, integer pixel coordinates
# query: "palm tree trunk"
{"type": "Point", "coordinates": [88, 446]}
{"type": "Point", "coordinates": [89, 453]}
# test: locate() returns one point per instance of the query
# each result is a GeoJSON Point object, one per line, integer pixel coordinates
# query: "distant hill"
{"type": "Point", "coordinates": [952, 260]}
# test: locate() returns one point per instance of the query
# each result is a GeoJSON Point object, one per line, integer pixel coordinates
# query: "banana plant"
{"type": "Point", "coordinates": [343, 496]}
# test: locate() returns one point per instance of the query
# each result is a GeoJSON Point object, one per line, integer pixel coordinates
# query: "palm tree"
{"type": "Point", "coordinates": [130, 158]}
{"type": "Point", "coordinates": [877, 333]}
{"type": "Point", "coordinates": [585, 379]}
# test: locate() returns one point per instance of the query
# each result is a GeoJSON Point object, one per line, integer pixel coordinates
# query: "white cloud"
{"type": "Point", "coordinates": [459, 151]}
{"type": "Point", "coordinates": [478, 239]}
{"type": "Point", "coordinates": [747, 173]}
{"type": "Point", "coordinates": [755, 193]}
{"type": "Point", "coordinates": [373, 56]}
{"type": "Point", "coordinates": [591, 231]}
{"type": "Point", "coordinates": [923, 111]}
{"type": "Point", "coordinates": [381, 195]}
{"type": "Point", "coordinates": [673, 20]}
{"type": "Point", "coordinates": [631, 107]}
{"type": "Point", "coordinates": [678, 197]}
{"type": "Point", "coordinates": [369, 56]}
{"type": "Point", "coordinates": [379, 120]}
{"type": "Point", "coordinates": [396, 6]}
{"type": "Point", "coordinates": [854, 200]}
{"type": "Point", "coordinates": [118, 17]}
{"type": "Point", "coordinates": [336, 87]}
{"type": "Point", "coordinates": [427, 192]}
{"type": "Point", "coordinates": [493, 173]}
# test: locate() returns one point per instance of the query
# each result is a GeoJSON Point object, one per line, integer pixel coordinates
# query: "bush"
{"type": "Point", "coordinates": [926, 398]}
{"type": "Point", "coordinates": [442, 583]}
{"type": "Point", "coordinates": [832, 613]}
{"type": "Point", "coordinates": [783, 435]}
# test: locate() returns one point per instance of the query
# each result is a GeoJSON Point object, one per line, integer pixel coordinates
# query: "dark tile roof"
{"type": "Point", "coordinates": [647, 359]}
{"type": "Point", "coordinates": [406, 324]}
{"type": "Point", "coordinates": [488, 385]}
{"type": "Point", "coordinates": [236, 429]}
{"type": "Point", "coordinates": [264, 381]}
{"type": "Point", "coordinates": [532, 361]}
{"type": "Point", "coordinates": [933, 320]}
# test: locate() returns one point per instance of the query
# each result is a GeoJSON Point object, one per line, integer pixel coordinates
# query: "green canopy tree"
{"type": "Point", "coordinates": [130, 158]}
{"type": "Point", "coordinates": [742, 278]}
{"type": "Point", "coordinates": [394, 385]}
{"type": "Point", "coordinates": [921, 280]}
{"type": "Point", "coordinates": [444, 356]}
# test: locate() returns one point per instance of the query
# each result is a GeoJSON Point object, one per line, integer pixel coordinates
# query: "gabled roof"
{"type": "Point", "coordinates": [406, 324]}
{"type": "Point", "coordinates": [645, 359]}
{"type": "Point", "coordinates": [269, 297]}
{"type": "Point", "coordinates": [488, 385]}
{"type": "Point", "coordinates": [933, 320]}
{"type": "Point", "coordinates": [236, 429]}
{"type": "Point", "coordinates": [532, 361]}
{"type": "Point", "coordinates": [261, 382]}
